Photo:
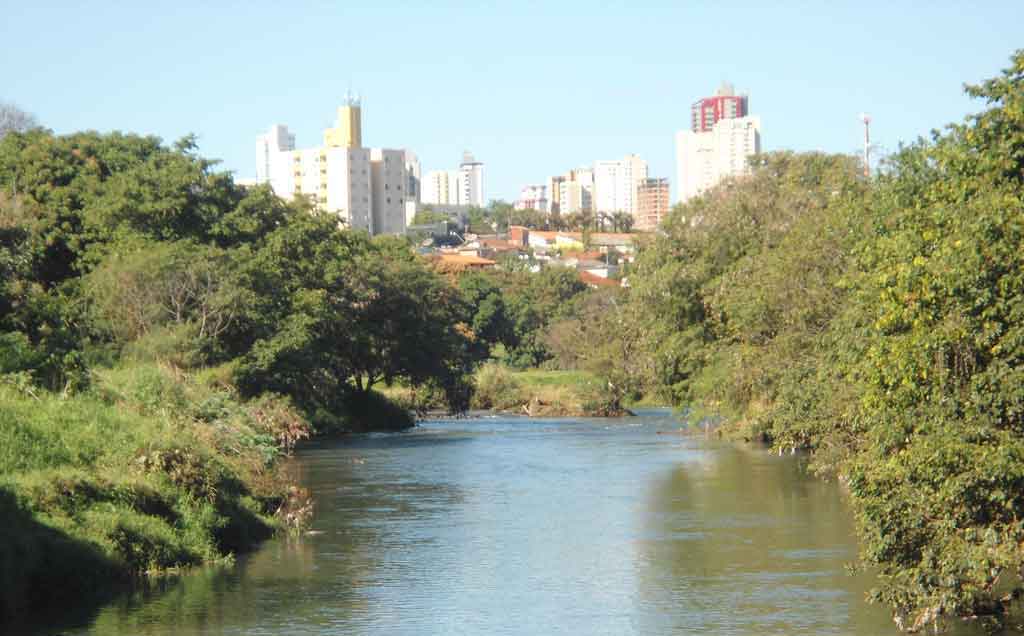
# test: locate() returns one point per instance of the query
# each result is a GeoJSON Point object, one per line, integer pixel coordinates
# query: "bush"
{"type": "Point", "coordinates": [497, 388]}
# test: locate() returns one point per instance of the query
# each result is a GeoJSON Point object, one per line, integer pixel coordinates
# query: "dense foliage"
{"type": "Point", "coordinates": [166, 334]}
{"type": "Point", "coordinates": [111, 238]}
{"type": "Point", "coordinates": [877, 323]}
{"type": "Point", "coordinates": [515, 309]}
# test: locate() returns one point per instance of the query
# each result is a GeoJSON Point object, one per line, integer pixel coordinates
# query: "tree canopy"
{"type": "Point", "coordinates": [112, 238]}
{"type": "Point", "coordinates": [877, 323]}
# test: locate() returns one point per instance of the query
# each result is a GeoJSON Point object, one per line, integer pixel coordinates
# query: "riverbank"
{"type": "Point", "coordinates": [533, 392]}
{"type": "Point", "coordinates": [150, 470]}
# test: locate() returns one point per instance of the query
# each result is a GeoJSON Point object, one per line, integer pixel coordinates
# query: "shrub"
{"type": "Point", "coordinates": [496, 388]}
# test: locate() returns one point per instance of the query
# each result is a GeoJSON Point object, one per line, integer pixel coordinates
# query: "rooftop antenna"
{"type": "Point", "coordinates": [866, 118]}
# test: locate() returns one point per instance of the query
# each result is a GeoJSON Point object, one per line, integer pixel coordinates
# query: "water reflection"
{"type": "Point", "coordinates": [520, 526]}
{"type": "Point", "coordinates": [748, 544]}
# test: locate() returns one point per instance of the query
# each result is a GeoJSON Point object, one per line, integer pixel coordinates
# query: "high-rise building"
{"type": "Point", "coordinates": [533, 197]}
{"type": "Point", "coordinates": [348, 130]}
{"type": "Point", "coordinates": [652, 203]}
{"type": "Point", "coordinates": [571, 192]}
{"type": "Point", "coordinates": [389, 181]}
{"type": "Point", "coordinates": [413, 189]}
{"type": "Point", "coordinates": [725, 104]}
{"type": "Point", "coordinates": [575, 197]}
{"type": "Point", "coordinates": [555, 194]}
{"type": "Point", "coordinates": [440, 187]}
{"type": "Point", "coordinates": [367, 188]}
{"type": "Point", "coordinates": [721, 139]}
{"type": "Point", "coordinates": [471, 181]}
{"type": "Point", "coordinates": [272, 159]}
{"type": "Point", "coordinates": [464, 186]}
{"type": "Point", "coordinates": [615, 184]}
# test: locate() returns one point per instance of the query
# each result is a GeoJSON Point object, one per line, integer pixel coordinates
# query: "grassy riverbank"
{"type": "Point", "coordinates": [150, 470]}
{"type": "Point", "coordinates": [534, 392]}
{"type": "Point", "coordinates": [542, 393]}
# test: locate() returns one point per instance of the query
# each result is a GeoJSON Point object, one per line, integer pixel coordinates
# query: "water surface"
{"type": "Point", "coordinates": [532, 526]}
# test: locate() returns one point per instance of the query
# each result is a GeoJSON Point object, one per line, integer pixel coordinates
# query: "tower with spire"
{"type": "Point", "coordinates": [348, 130]}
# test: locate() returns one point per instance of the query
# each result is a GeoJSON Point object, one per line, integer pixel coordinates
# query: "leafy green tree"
{"type": "Point", "coordinates": [938, 476]}
{"type": "Point", "coordinates": [535, 301]}
{"type": "Point", "coordinates": [490, 320]}
{"type": "Point", "coordinates": [718, 284]}
{"type": "Point", "coordinates": [879, 325]}
{"type": "Point", "coordinates": [620, 221]}
{"type": "Point", "coordinates": [336, 314]}
{"type": "Point", "coordinates": [152, 285]}
{"type": "Point", "coordinates": [429, 216]}
{"type": "Point", "coordinates": [533, 219]}
{"type": "Point", "coordinates": [602, 336]}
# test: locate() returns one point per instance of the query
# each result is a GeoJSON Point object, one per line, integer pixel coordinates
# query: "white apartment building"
{"type": "Point", "coordinates": [464, 186]}
{"type": "Point", "coordinates": [615, 184]}
{"type": "Point", "coordinates": [272, 160]}
{"type": "Point", "coordinates": [471, 181]}
{"type": "Point", "coordinates": [575, 197]}
{"type": "Point", "coordinates": [413, 190]}
{"type": "Point", "coordinates": [440, 187]}
{"type": "Point", "coordinates": [533, 197]}
{"type": "Point", "coordinates": [576, 191]}
{"type": "Point", "coordinates": [366, 188]}
{"type": "Point", "coordinates": [705, 158]}
{"type": "Point", "coordinates": [389, 182]}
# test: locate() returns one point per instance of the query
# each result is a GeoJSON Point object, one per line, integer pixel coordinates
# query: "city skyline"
{"type": "Point", "coordinates": [621, 82]}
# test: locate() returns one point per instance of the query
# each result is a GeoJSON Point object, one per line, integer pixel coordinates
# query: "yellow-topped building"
{"type": "Point", "coordinates": [368, 188]}
{"type": "Point", "coordinates": [348, 130]}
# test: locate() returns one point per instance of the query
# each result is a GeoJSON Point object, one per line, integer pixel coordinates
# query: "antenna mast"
{"type": "Point", "coordinates": [864, 117]}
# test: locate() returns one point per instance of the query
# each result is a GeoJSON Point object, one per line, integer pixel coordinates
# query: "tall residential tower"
{"type": "Point", "coordinates": [721, 138]}
{"type": "Point", "coordinates": [348, 130]}
{"type": "Point", "coordinates": [366, 187]}
{"type": "Point", "coordinates": [464, 186]}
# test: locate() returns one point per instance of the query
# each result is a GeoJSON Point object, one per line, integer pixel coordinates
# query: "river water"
{"type": "Point", "coordinates": [502, 525]}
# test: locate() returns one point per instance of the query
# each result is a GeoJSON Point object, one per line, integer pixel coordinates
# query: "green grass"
{"type": "Point", "coordinates": [152, 469]}
{"type": "Point", "coordinates": [542, 393]}
{"type": "Point", "coordinates": [541, 377]}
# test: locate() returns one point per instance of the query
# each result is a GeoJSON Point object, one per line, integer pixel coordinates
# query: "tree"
{"type": "Point", "coordinates": [938, 475]}
{"type": "Point", "coordinates": [621, 221]}
{"type": "Point", "coordinates": [154, 285]}
{"type": "Point", "coordinates": [534, 301]}
{"type": "Point", "coordinates": [603, 337]}
{"type": "Point", "coordinates": [879, 324]}
{"type": "Point", "coordinates": [716, 287]}
{"type": "Point", "coordinates": [15, 120]}
{"type": "Point", "coordinates": [429, 216]}
{"type": "Point", "coordinates": [490, 319]}
{"type": "Point", "coordinates": [335, 314]}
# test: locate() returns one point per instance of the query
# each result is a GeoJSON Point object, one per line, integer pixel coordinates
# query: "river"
{"type": "Point", "coordinates": [504, 525]}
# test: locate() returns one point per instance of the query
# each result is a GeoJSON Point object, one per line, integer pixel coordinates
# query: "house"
{"type": "Point", "coordinates": [450, 263]}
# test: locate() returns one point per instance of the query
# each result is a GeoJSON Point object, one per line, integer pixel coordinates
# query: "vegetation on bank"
{"type": "Point", "coordinates": [165, 336]}
{"type": "Point", "coordinates": [543, 393]}
{"type": "Point", "coordinates": [151, 469]}
{"type": "Point", "coordinates": [876, 322]}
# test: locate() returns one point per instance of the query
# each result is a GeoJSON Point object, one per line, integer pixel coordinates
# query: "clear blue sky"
{"type": "Point", "coordinates": [533, 89]}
